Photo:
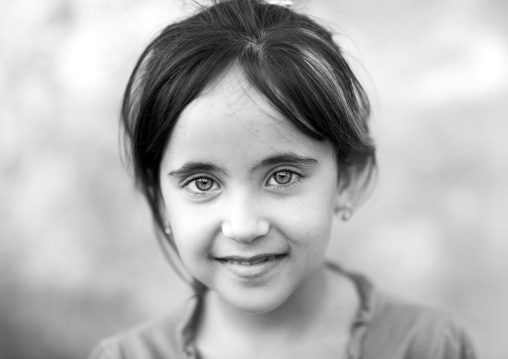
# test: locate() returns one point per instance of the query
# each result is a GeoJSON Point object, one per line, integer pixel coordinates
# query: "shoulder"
{"type": "Point", "coordinates": [408, 331]}
{"type": "Point", "coordinates": [163, 338]}
{"type": "Point", "coordinates": [148, 341]}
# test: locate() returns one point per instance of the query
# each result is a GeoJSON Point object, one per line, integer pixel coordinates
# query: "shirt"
{"type": "Point", "coordinates": [384, 328]}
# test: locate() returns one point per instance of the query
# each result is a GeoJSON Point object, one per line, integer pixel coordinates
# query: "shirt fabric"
{"type": "Point", "coordinates": [384, 328]}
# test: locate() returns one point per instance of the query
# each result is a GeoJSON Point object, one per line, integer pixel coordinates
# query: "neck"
{"type": "Point", "coordinates": [323, 307]}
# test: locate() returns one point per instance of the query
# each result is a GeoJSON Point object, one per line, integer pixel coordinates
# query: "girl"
{"type": "Point", "coordinates": [248, 134]}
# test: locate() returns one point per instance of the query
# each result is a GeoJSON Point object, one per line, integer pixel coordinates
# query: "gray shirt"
{"type": "Point", "coordinates": [384, 328]}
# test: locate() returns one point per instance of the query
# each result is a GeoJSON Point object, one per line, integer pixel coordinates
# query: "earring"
{"type": "Point", "coordinates": [167, 230]}
{"type": "Point", "coordinates": [348, 212]}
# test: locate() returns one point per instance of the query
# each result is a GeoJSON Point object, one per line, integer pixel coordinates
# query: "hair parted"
{"type": "Point", "coordinates": [286, 56]}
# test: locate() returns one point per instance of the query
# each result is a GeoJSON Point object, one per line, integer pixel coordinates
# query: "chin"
{"type": "Point", "coordinates": [255, 300]}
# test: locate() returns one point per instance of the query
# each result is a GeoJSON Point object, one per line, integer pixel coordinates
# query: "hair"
{"type": "Point", "coordinates": [287, 57]}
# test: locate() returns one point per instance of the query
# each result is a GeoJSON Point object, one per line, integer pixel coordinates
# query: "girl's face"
{"type": "Point", "coordinates": [249, 199]}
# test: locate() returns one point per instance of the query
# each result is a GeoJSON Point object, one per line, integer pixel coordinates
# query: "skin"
{"type": "Point", "coordinates": [238, 181]}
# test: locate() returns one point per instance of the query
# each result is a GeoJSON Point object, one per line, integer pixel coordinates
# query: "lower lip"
{"type": "Point", "coordinates": [254, 270]}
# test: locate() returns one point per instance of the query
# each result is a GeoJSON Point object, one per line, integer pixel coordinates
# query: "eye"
{"type": "Point", "coordinates": [284, 178]}
{"type": "Point", "coordinates": [201, 186]}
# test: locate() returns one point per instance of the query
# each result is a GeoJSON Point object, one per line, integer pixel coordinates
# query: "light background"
{"type": "Point", "coordinates": [78, 259]}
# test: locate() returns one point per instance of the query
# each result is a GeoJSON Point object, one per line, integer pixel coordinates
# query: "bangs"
{"type": "Point", "coordinates": [304, 77]}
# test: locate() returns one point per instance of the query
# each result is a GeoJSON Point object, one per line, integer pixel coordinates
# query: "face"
{"type": "Point", "coordinates": [249, 199]}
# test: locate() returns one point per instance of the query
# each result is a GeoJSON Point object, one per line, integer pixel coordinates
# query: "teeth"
{"type": "Point", "coordinates": [232, 261]}
{"type": "Point", "coordinates": [259, 260]}
{"type": "Point", "coordinates": [256, 261]}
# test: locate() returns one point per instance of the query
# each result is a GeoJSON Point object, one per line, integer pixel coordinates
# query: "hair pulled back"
{"type": "Point", "coordinates": [286, 56]}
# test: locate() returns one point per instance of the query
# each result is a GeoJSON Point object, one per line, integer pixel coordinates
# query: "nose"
{"type": "Point", "coordinates": [244, 222]}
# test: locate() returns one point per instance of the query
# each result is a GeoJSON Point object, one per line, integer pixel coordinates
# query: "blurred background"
{"type": "Point", "coordinates": [78, 257]}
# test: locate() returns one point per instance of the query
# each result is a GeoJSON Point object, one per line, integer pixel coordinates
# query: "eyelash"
{"type": "Point", "coordinates": [192, 193]}
{"type": "Point", "coordinates": [293, 182]}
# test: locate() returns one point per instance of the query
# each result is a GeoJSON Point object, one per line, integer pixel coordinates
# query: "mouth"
{"type": "Point", "coordinates": [253, 268]}
{"type": "Point", "coordinates": [250, 261]}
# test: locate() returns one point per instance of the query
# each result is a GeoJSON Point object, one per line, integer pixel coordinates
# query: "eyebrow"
{"type": "Point", "coordinates": [288, 158]}
{"type": "Point", "coordinates": [193, 167]}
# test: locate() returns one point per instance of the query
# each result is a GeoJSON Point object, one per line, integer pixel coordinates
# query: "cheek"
{"type": "Point", "coordinates": [193, 232]}
{"type": "Point", "coordinates": [316, 210]}
{"type": "Point", "coordinates": [187, 232]}
{"type": "Point", "coordinates": [309, 222]}
{"type": "Point", "coordinates": [193, 250]}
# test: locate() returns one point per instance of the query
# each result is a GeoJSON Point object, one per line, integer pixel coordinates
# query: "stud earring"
{"type": "Point", "coordinates": [348, 212]}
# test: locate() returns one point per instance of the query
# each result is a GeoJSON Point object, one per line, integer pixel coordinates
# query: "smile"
{"type": "Point", "coordinates": [251, 267]}
{"type": "Point", "coordinates": [252, 260]}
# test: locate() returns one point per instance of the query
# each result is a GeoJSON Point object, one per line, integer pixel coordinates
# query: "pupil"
{"type": "Point", "coordinates": [283, 177]}
{"type": "Point", "coordinates": [203, 184]}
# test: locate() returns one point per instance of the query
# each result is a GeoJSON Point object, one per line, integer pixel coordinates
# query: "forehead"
{"type": "Point", "coordinates": [233, 118]}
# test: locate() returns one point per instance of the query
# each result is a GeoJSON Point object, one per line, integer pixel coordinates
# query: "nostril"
{"type": "Point", "coordinates": [263, 228]}
{"type": "Point", "coordinates": [226, 230]}
{"type": "Point", "coordinates": [244, 232]}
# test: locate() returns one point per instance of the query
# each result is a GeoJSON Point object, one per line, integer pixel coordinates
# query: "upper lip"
{"type": "Point", "coordinates": [249, 258]}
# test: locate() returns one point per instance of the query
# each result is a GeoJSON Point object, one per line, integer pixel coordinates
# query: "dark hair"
{"type": "Point", "coordinates": [286, 56]}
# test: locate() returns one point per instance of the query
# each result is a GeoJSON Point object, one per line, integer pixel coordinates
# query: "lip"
{"type": "Point", "coordinates": [250, 267]}
{"type": "Point", "coordinates": [249, 259]}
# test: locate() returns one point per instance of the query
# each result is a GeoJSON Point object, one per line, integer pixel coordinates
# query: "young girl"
{"type": "Point", "coordinates": [249, 134]}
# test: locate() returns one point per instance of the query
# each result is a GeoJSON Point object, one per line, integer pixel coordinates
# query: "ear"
{"type": "Point", "coordinates": [352, 185]}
